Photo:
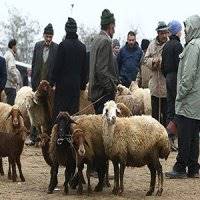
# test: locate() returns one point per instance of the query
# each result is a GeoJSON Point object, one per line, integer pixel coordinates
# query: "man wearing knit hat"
{"type": "Point", "coordinates": [103, 77]}
{"type": "Point", "coordinates": [170, 62]}
{"type": "Point", "coordinates": [69, 74]}
{"type": "Point", "coordinates": [157, 82]}
{"type": "Point", "coordinates": [42, 64]}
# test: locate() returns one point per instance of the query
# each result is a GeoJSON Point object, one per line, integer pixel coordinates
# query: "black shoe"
{"type": "Point", "coordinates": [176, 175]}
{"type": "Point", "coordinates": [195, 175]}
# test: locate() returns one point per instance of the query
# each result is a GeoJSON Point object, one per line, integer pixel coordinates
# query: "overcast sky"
{"type": "Point", "coordinates": [140, 14]}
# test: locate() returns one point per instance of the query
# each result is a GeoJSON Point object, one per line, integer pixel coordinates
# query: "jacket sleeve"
{"type": "Point", "coordinates": [119, 60]}
{"type": "Point", "coordinates": [33, 66]}
{"type": "Point", "coordinates": [189, 70]}
{"type": "Point", "coordinates": [148, 59]}
{"type": "Point", "coordinates": [11, 69]}
{"type": "Point", "coordinates": [3, 73]}
{"type": "Point", "coordinates": [177, 51]}
{"type": "Point", "coordinates": [84, 70]}
{"type": "Point", "coordinates": [59, 60]}
{"type": "Point", "coordinates": [103, 73]}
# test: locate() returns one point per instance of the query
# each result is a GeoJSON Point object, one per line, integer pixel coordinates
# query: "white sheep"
{"type": "Point", "coordinates": [135, 141]}
{"type": "Point", "coordinates": [23, 94]}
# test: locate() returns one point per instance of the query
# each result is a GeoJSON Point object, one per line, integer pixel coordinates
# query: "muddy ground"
{"type": "Point", "coordinates": [136, 180]}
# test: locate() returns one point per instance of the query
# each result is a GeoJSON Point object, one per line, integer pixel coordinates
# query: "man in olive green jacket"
{"type": "Point", "coordinates": [188, 103]}
{"type": "Point", "coordinates": [103, 77]}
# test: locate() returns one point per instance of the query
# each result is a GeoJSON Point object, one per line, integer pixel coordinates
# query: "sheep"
{"type": "Point", "coordinates": [143, 94]}
{"type": "Point", "coordinates": [86, 106]}
{"type": "Point", "coordinates": [20, 100]}
{"type": "Point", "coordinates": [39, 107]}
{"type": "Point", "coordinates": [61, 150]}
{"type": "Point", "coordinates": [91, 127]}
{"type": "Point", "coordinates": [12, 134]}
{"type": "Point", "coordinates": [135, 141]}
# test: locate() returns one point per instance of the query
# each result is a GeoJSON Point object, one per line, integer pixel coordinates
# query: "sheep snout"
{"type": "Point", "coordinates": [81, 150]}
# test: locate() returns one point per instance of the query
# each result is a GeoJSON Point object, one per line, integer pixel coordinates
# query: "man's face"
{"type": "Point", "coordinates": [131, 39]}
{"type": "Point", "coordinates": [14, 49]}
{"type": "Point", "coordinates": [162, 36]}
{"type": "Point", "coordinates": [48, 39]}
{"type": "Point", "coordinates": [116, 50]}
{"type": "Point", "coordinates": [111, 30]}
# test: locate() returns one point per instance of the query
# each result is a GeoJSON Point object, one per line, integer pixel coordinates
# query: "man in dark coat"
{"type": "Point", "coordinates": [3, 75]}
{"type": "Point", "coordinates": [43, 58]}
{"type": "Point", "coordinates": [169, 67]}
{"type": "Point", "coordinates": [129, 60]}
{"type": "Point", "coordinates": [69, 72]}
{"type": "Point", "coordinates": [42, 64]}
{"type": "Point", "coordinates": [103, 77]}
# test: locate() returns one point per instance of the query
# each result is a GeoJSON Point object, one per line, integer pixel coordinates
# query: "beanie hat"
{"type": "Point", "coordinates": [162, 26]}
{"type": "Point", "coordinates": [144, 44]}
{"type": "Point", "coordinates": [174, 27]}
{"type": "Point", "coordinates": [49, 29]}
{"type": "Point", "coordinates": [71, 26]}
{"type": "Point", "coordinates": [115, 43]}
{"type": "Point", "coordinates": [107, 17]}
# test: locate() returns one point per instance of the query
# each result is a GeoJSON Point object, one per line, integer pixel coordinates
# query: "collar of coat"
{"type": "Point", "coordinates": [105, 33]}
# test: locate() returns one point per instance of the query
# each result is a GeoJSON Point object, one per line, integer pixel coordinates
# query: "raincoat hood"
{"type": "Point", "coordinates": [192, 26]}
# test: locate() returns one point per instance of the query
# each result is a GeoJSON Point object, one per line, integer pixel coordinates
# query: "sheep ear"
{"type": "Point", "coordinates": [72, 121]}
{"type": "Point", "coordinates": [118, 111]}
{"type": "Point", "coordinates": [9, 114]}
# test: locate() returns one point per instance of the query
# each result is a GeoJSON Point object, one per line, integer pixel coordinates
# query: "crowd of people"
{"type": "Point", "coordinates": [169, 70]}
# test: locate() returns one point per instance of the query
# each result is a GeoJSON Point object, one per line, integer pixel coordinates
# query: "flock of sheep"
{"type": "Point", "coordinates": [125, 133]}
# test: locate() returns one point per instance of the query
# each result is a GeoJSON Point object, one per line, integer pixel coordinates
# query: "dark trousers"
{"type": "Point", "coordinates": [98, 106]}
{"type": "Point", "coordinates": [155, 109]}
{"type": "Point", "coordinates": [171, 82]}
{"type": "Point", "coordinates": [11, 95]}
{"type": "Point", "coordinates": [188, 145]}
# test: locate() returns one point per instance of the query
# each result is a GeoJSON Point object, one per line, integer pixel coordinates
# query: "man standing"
{"type": "Point", "coordinates": [170, 61]}
{"type": "Point", "coordinates": [42, 65]}
{"type": "Point", "coordinates": [12, 77]}
{"type": "Point", "coordinates": [43, 58]}
{"type": "Point", "coordinates": [103, 76]}
{"type": "Point", "coordinates": [69, 73]}
{"type": "Point", "coordinates": [129, 60]}
{"type": "Point", "coordinates": [188, 103]}
{"type": "Point", "coordinates": [3, 75]}
{"type": "Point", "coordinates": [157, 82]}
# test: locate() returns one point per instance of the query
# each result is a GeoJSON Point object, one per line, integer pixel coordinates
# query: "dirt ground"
{"type": "Point", "coordinates": [136, 180]}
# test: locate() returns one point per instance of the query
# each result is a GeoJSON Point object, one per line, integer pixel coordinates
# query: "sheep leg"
{"type": "Point", "coordinates": [116, 178]}
{"type": "Point", "coordinates": [88, 171]}
{"type": "Point", "coordinates": [160, 178]}
{"type": "Point", "coordinates": [122, 168]}
{"type": "Point", "coordinates": [101, 174]}
{"type": "Point", "coordinates": [9, 169]}
{"type": "Point", "coordinates": [106, 180]}
{"type": "Point", "coordinates": [53, 180]}
{"type": "Point", "coordinates": [1, 167]}
{"type": "Point", "coordinates": [153, 179]}
{"type": "Point", "coordinates": [68, 173]}
{"type": "Point", "coordinates": [14, 173]}
{"type": "Point", "coordinates": [20, 169]}
{"type": "Point", "coordinates": [80, 174]}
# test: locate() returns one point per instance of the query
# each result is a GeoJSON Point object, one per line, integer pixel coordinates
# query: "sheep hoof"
{"type": "Point", "coordinates": [2, 173]}
{"type": "Point", "coordinates": [98, 188]}
{"type": "Point", "coordinates": [115, 191]}
{"type": "Point", "coordinates": [89, 190]}
{"type": "Point", "coordinates": [49, 192]}
{"type": "Point", "coordinates": [80, 190]}
{"type": "Point", "coordinates": [120, 191]}
{"type": "Point", "coordinates": [159, 192]}
{"type": "Point", "coordinates": [14, 179]}
{"type": "Point", "coordinates": [22, 178]}
{"type": "Point", "coordinates": [149, 193]}
{"type": "Point", "coordinates": [66, 190]}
